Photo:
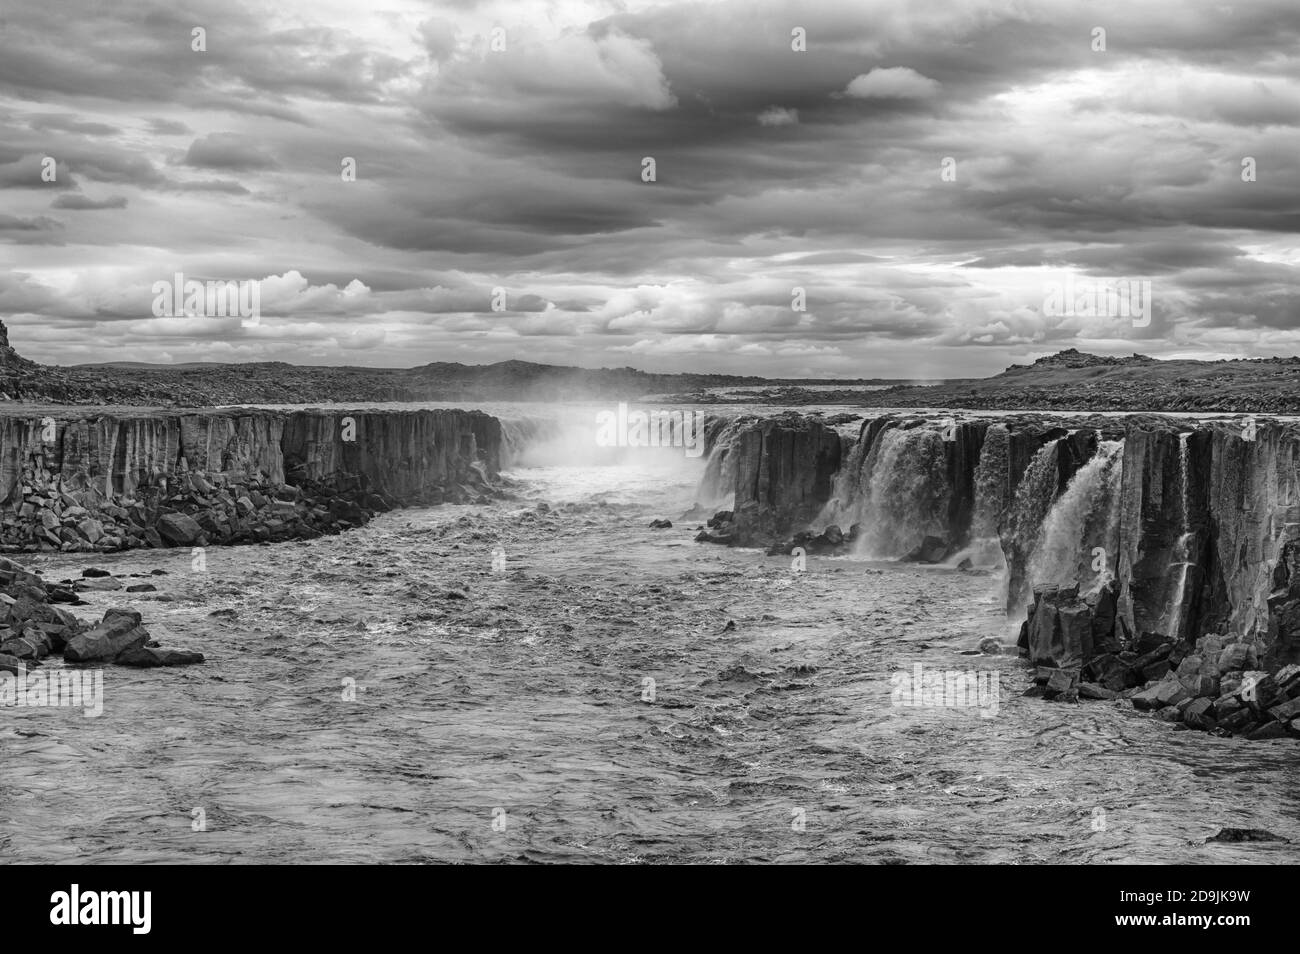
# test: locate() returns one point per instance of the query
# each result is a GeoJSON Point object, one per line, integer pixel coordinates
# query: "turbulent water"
{"type": "Point", "coordinates": [508, 717]}
{"type": "Point", "coordinates": [1079, 539]}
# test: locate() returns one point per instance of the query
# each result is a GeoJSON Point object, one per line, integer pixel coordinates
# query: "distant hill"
{"type": "Point", "coordinates": [1072, 380]}
{"type": "Point", "coordinates": [1067, 380]}
{"type": "Point", "coordinates": [203, 384]}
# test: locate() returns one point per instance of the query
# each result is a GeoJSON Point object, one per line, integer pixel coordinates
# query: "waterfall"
{"type": "Point", "coordinates": [847, 489]}
{"type": "Point", "coordinates": [1085, 517]}
{"type": "Point", "coordinates": [907, 492]}
{"type": "Point", "coordinates": [717, 488]}
{"type": "Point", "coordinates": [520, 434]}
{"type": "Point", "coordinates": [1024, 519]}
{"type": "Point", "coordinates": [1033, 499]}
{"type": "Point", "coordinates": [1182, 562]}
{"type": "Point", "coordinates": [991, 473]}
{"type": "Point", "coordinates": [990, 478]}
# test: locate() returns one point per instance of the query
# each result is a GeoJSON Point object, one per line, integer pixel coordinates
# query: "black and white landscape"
{"type": "Point", "coordinates": [625, 432]}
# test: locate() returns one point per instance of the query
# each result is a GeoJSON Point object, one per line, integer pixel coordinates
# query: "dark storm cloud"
{"type": "Point", "coordinates": [521, 168]}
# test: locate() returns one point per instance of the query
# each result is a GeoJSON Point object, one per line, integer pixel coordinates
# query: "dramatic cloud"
{"type": "Point", "coordinates": [918, 177]}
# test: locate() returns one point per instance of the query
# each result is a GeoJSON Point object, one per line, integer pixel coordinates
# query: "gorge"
{"type": "Point", "coordinates": [483, 642]}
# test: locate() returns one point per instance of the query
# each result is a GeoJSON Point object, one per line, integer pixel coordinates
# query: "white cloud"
{"type": "Point", "coordinates": [778, 116]}
{"type": "Point", "coordinates": [894, 82]}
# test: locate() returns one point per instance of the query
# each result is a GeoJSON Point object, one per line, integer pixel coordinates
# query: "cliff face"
{"type": "Point", "coordinates": [783, 475]}
{"type": "Point", "coordinates": [1253, 512]}
{"type": "Point", "coordinates": [414, 456]}
{"type": "Point", "coordinates": [110, 481]}
{"type": "Point", "coordinates": [1198, 523]}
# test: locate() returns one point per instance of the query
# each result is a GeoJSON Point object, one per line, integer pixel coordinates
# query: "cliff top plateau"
{"type": "Point", "coordinates": [1068, 380]}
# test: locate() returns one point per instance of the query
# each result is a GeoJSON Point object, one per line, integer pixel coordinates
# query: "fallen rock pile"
{"type": "Point", "coordinates": [189, 509]}
{"type": "Point", "coordinates": [33, 627]}
{"type": "Point", "coordinates": [1081, 650]}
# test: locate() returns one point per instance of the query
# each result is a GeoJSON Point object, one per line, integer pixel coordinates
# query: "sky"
{"type": "Point", "coordinates": [925, 173]}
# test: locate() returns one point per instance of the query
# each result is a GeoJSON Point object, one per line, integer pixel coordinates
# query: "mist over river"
{"type": "Point", "coordinates": [507, 717]}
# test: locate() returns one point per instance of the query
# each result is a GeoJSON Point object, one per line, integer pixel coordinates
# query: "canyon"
{"type": "Point", "coordinates": [500, 653]}
{"type": "Point", "coordinates": [1147, 557]}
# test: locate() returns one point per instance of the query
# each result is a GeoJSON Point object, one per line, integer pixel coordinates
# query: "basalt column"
{"type": "Point", "coordinates": [783, 476]}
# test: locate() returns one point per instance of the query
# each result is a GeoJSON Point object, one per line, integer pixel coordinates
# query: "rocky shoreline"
{"type": "Point", "coordinates": [33, 627]}
{"type": "Point", "coordinates": [1215, 684]}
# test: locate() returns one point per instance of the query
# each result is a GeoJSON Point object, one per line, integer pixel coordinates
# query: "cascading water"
{"type": "Point", "coordinates": [985, 550]}
{"type": "Point", "coordinates": [1078, 542]}
{"type": "Point", "coordinates": [520, 434]}
{"type": "Point", "coordinates": [1181, 564]}
{"type": "Point", "coordinates": [907, 492]}
{"type": "Point", "coordinates": [1023, 521]}
{"type": "Point", "coordinates": [849, 487]}
{"type": "Point", "coordinates": [717, 488]}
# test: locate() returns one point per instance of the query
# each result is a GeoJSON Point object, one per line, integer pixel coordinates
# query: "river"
{"type": "Point", "coordinates": [507, 717]}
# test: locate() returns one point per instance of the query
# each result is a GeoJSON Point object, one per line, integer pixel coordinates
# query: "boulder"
{"type": "Point", "coordinates": [116, 634]}
{"type": "Point", "coordinates": [145, 657]}
{"type": "Point", "coordinates": [1226, 705]}
{"type": "Point", "coordinates": [1199, 714]}
{"type": "Point", "coordinates": [31, 646]}
{"type": "Point", "coordinates": [1171, 692]}
{"type": "Point", "coordinates": [1090, 690]}
{"type": "Point", "coordinates": [1060, 632]}
{"type": "Point", "coordinates": [179, 529]}
{"type": "Point", "coordinates": [1110, 671]}
{"type": "Point", "coordinates": [1269, 730]}
{"type": "Point", "coordinates": [1238, 722]}
{"type": "Point", "coordinates": [1283, 712]}
{"type": "Point", "coordinates": [1234, 656]}
{"type": "Point", "coordinates": [1148, 699]}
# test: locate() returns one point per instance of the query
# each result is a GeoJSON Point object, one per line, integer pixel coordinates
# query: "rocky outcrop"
{"type": "Point", "coordinates": [783, 473]}
{"type": "Point", "coordinates": [160, 478]}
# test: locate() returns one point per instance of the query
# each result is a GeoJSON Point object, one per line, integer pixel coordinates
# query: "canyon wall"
{"type": "Point", "coordinates": [118, 480]}
{"type": "Point", "coordinates": [1194, 521]}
